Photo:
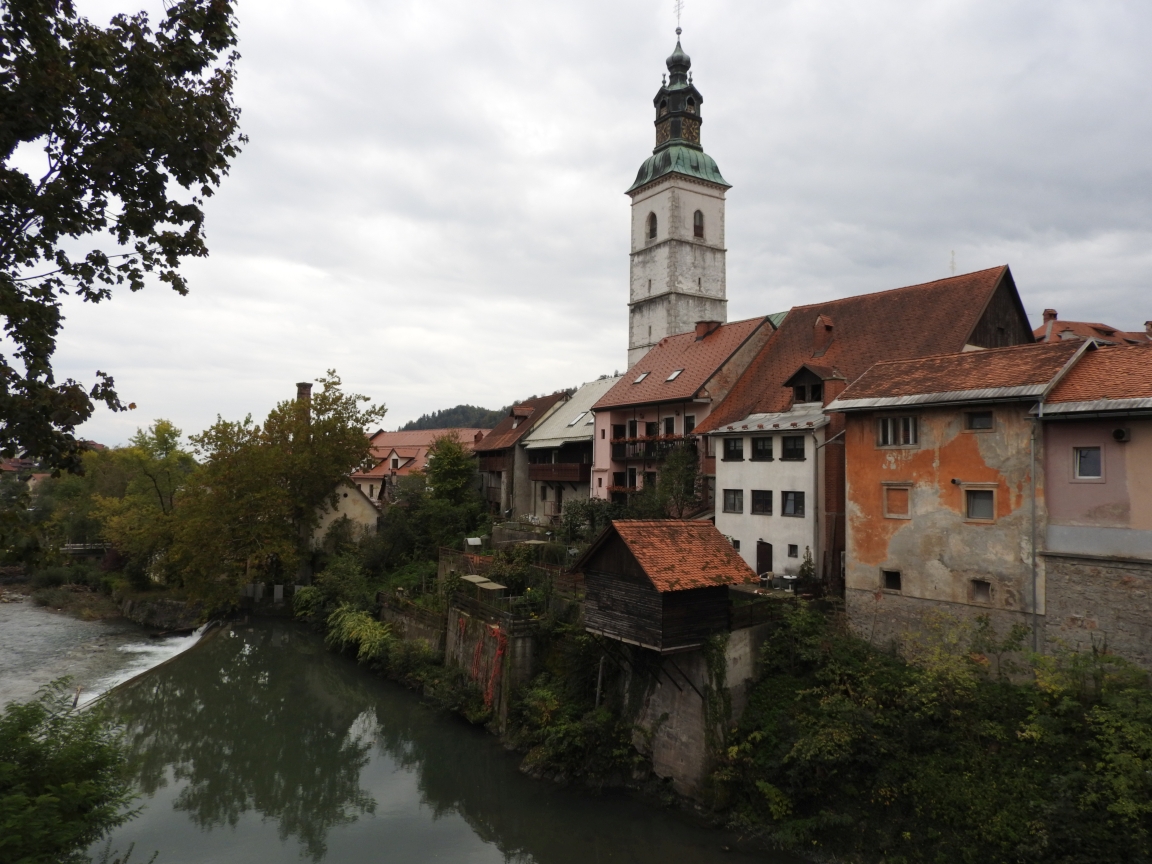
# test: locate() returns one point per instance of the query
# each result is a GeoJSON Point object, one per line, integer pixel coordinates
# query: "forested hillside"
{"type": "Point", "coordinates": [462, 416]}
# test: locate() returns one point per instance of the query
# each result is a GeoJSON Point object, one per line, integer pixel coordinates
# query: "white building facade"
{"type": "Point", "coordinates": [769, 487]}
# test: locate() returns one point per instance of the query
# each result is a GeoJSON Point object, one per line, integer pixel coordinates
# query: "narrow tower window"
{"type": "Point", "coordinates": [651, 226]}
{"type": "Point", "coordinates": [698, 224]}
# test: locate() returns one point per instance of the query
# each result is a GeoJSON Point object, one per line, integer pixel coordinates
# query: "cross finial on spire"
{"type": "Point", "coordinates": [678, 6]}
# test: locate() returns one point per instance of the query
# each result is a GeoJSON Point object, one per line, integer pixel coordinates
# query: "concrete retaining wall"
{"type": "Point", "coordinates": [497, 659]}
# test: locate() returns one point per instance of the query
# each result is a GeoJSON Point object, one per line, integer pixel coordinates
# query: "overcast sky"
{"type": "Point", "coordinates": [432, 199]}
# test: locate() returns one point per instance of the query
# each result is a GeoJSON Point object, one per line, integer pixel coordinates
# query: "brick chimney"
{"type": "Point", "coordinates": [703, 328]}
{"type": "Point", "coordinates": [304, 394]}
{"type": "Point", "coordinates": [1049, 315]}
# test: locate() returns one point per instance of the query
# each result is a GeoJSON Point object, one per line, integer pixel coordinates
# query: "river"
{"type": "Point", "coordinates": [258, 745]}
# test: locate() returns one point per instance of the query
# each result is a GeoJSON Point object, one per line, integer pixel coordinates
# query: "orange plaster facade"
{"type": "Point", "coordinates": [905, 515]}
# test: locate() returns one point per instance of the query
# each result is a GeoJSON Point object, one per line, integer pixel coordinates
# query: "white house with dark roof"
{"type": "Point", "coordinates": [768, 489]}
{"type": "Point", "coordinates": [559, 452]}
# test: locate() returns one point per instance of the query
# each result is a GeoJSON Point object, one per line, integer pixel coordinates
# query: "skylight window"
{"type": "Point", "coordinates": [643, 375]}
{"type": "Point", "coordinates": [674, 375]}
{"type": "Point", "coordinates": [578, 418]}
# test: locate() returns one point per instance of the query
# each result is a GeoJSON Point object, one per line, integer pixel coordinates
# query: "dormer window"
{"type": "Point", "coordinates": [674, 375]}
{"type": "Point", "coordinates": [643, 375]}
{"type": "Point", "coordinates": [651, 226]}
{"type": "Point", "coordinates": [698, 224]}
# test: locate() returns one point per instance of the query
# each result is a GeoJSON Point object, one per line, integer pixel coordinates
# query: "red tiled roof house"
{"type": "Point", "coordinates": [780, 465]}
{"type": "Point", "coordinates": [503, 464]}
{"type": "Point", "coordinates": [663, 398]}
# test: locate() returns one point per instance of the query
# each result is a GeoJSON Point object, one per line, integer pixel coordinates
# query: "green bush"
{"type": "Point", "coordinates": [63, 783]}
{"type": "Point", "coordinates": [859, 753]}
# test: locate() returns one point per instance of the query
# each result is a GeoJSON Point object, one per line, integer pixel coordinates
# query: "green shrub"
{"type": "Point", "coordinates": [349, 627]}
{"type": "Point", "coordinates": [862, 754]}
{"type": "Point", "coordinates": [63, 783]}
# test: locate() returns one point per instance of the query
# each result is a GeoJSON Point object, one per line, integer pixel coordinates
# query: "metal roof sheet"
{"type": "Point", "coordinates": [809, 416]}
{"type": "Point", "coordinates": [556, 431]}
{"type": "Point", "coordinates": [988, 394]}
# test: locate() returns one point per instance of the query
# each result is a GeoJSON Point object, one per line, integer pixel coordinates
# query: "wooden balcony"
{"type": "Point", "coordinates": [494, 463]}
{"type": "Point", "coordinates": [561, 472]}
{"type": "Point", "coordinates": [646, 448]}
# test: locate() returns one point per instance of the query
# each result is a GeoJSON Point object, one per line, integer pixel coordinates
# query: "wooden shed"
{"type": "Point", "coordinates": [660, 584]}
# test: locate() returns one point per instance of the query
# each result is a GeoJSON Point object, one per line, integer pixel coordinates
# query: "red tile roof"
{"type": "Point", "coordinates": [698, 360]}
{"type": "Point", "coordinates": [917, 321]}
{"type": "Point", "coordinates": [677, 555]}
{"type": "Point", "coordinates": [522, 417]}
{"type": "Point", "coordinates": [1121, 372]}
{"type": "Point", "coordinates": [412, 445]}
{"type": "Point", "coordinates": [1056, 331]}
{"type": "Point", "coordinates": [1023, 366]}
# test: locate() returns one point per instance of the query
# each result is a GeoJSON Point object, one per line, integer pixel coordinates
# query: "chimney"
{"type": "Point", "coordinates": [821, 335]}
{"type": "Point", "coordinates": [1049, 315]}
{"type": "Point", "coordinates": [703, 328]}
{"type": "Point", "coordinates": [304, 394]}
{"type": "Point", "coordinates": [1148, 328]}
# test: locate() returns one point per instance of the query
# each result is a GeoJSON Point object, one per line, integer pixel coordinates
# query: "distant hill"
{"type": "Point", "coordinates": [462, 417]}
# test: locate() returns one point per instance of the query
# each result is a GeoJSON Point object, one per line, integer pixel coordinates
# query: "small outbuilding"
{"type": "Point", "coordinates": [660, 584]}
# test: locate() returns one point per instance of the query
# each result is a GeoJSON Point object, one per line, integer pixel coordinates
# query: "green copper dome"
{"type": "Point", "coordinates": [678, 121]}
{"type": "Point", "coordinates": [679, 159]}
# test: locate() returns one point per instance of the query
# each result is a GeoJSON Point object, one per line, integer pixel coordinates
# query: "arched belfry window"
{"type": "Point", "coordinates": [697, 224]}
{"type": "Point", "coordinates": [663, 107]}
{"type": "Point", "coordinates": [690, 106]}
{"type": "Point", "coordinates": [651, 226]}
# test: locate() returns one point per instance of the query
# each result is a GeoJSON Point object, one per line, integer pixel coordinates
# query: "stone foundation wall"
{"type": "Point", "coordinates": [674, 714]}
{"type": "Point", "coordinates": [427, 628]}
{"type": "Point", "coordinates": [1102, 602]}
{"type": "Point", "coordinates": [496, 660]}
{"type": "Point", "coordinates": [884, 618]}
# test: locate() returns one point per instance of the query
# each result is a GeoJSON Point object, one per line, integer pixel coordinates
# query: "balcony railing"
{"type": "Point", "coordinates": [492, 495]}
{"type": "Point", "coordinates": [493, 463]}
{"type": "Point", "coordinates": [626, 489]}
{"type": "Point", "coordinates": [561, 472]}
{"type": "Point", "coordinates": [651, 447]}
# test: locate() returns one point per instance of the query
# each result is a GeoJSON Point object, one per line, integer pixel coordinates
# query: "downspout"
{"type": "Point", "coordinates": [819, 447]}
{"type": "Point", "coordinates": [1035, 600]}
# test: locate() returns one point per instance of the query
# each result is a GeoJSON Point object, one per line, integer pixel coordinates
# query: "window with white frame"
{"type": "Point", "coordinates": [1087, 464]}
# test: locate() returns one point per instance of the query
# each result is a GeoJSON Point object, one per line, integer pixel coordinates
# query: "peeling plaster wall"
{"type": "Point", "coordinates": [938, 551]}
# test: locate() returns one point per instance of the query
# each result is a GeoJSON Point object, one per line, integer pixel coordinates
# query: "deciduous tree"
{"type": "Point", "coordinates": [138, 127]}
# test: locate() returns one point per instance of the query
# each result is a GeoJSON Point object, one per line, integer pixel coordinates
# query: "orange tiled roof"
{"type": "Point", "coordinates": [522, 417]}
{"type": "Point", "coordinates": [679, 555]}
{"type": "Point", "coordinates": [1120, 372]}
{"type": "Point", "coordinates": [1057, 331]}
{"type": "Point", "coordinates": [1023, 367]}
{"type": "Point", "coordinates": [698, 360]}
{"type": "Point", "coordinates": [383, 442]}
{"type": "Point", "coordinates": [915, 321]}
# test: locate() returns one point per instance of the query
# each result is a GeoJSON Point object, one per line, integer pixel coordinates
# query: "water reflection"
{"type": "Point", "coordinates": [263, 736]}
{"type": "Point", "coordinates": [254, 723]}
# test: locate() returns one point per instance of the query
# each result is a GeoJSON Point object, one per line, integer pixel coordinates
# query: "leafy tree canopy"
{"type": "Point", "coordinates": [138, 127]}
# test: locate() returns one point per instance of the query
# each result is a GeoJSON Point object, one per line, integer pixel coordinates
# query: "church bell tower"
{"type": "Point", "coordinates": [677, 273]}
